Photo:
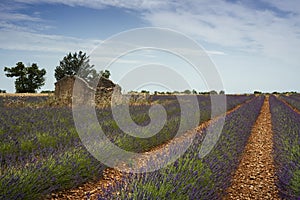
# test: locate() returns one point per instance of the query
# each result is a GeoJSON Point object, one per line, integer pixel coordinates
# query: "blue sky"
{"type": "Point", "coordinates": [254, 44]}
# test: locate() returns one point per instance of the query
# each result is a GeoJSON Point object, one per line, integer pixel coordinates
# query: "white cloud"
{"type": "Point", "coordinates": [99, 4]}
{"type": "Point", "coordinates": [17, 17]}
{"type": "Point", "coordinates": [11, 18]}
{"type": "Point", "coordinates": [216, 53]}
{"type": "Point", "coordinates": [16, 35]}
{"type": "Point", "coordinates": [287, 5]}
{"type": "Point", "coordinates": [39, 42]}
{"type": "Point", "coordinates": [269, 34]}
{"type": "Point", "coordinates": [235, 26]}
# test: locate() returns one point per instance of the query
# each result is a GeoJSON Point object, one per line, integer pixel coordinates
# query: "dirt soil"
{"type": "Point", "coordinates": [255, 175]}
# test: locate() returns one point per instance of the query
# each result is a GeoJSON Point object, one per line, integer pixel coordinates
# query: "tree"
{"type": "Point", "coordinates": [213, 92]}
{"type": "Point", "coordinates": [105, 74]}
{"type": "Point", "coordinates": [76, 64]}
{"type": "Point", "coordinates": [145, 91]}
{"type": "Point", "coordinates": [187, 92]}
{"type": "Point", "coordinates": [222, 92]}
{"type": "Point", "coordinates": [29, 78]}
{"type": "Point", "coordinates": [257, 92]}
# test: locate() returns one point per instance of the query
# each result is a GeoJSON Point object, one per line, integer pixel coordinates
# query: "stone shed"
{"type": "Point", "coordinates": [103, 92]}
{"type": "Point", "coordinates": [64, 89]}
{"type": "Point", "coordinates": [105, 89]}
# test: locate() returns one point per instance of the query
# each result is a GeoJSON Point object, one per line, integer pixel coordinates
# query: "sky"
{"type": "Point", "coordinates": [254, 45]}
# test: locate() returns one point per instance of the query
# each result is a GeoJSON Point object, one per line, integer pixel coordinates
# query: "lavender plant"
{"type": "Point", "coordinates": [293, 100]}
{"type": "Point", "coordinates": [286, 128]}
{"type": "Point", "coordinates": [192, 177]}
{"type": "Point", "coordinates": [40, 151]}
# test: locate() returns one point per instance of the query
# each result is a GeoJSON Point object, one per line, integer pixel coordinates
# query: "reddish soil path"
{"type": "Point", "coordinates": [255, 175]}
{"type": "Point", "coordinates": [112, 176]}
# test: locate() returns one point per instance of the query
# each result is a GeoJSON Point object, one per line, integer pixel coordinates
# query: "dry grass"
{"type": "Point", "coordinates": [26, 94]}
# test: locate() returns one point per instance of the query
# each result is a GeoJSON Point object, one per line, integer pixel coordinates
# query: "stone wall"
{"type": "Point", "coordinates": [103, 92]}
{"type": "Point", "coordinates": [64, 87]}
{"type": "Point", "coordinates": [105, 89]}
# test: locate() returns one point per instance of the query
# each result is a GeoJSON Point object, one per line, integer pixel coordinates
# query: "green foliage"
{"type": "Point", "coordinates": [174, 180]}
{"type": "Point", "coordinates": [187, 92]}
{"type": "Point", "coordinates": [295, 182]}
{"type": "Point", "coordinates": [105, 73]}
{"type": "Point", "coordinates": [27, 145]}
{"type": "Point", "coordinates": [47, 91]}
{"type": "Point", "coordinates": [145, 92]}
{"type": "Point", "coordinates": [53, 171]}
{"type": "Point", "coordinates": [213, 92]}
{"type": "Point", "coordinates": [29, 79]}
{"type": "Point", "coordinates": [222, 92]}
{"type": "Point", "coordinates": [257, 92]}
{"type": "Point", "coordinates": [76, 64]}
{"type": "Point", "coordinates": [46, 140]}
{"type": "Point", "coordinates": [6, 148]}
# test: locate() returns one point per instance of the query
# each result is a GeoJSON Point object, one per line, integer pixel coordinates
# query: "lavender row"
{"type": "Point", "coordinates": [170, 129]}
{"type": "Point", "coordinates": [225, 156]}
{"type": "Point", "coordinates": [231, 100]}
{"type": "Point", "coordinates": [31, 136]}
{"type": "Point", "coordinates": [293, 100]}
{"type": "Point", "coordinates": [295, 96]}
{"type": "Point", "coordinates": [27, 133]}
{"type": "Point", "coordinates": [8, 100]}
{"type": "Point", "coordinates": [192, 177]}
{"type": "Point", "coordinates": [234, 100]}
{"type": "Point", "coordinates": [40, 152]}
{"type": "Point", "coordinates": [40, 177]}
{"type": "Point", "coordinates": [286, 128]}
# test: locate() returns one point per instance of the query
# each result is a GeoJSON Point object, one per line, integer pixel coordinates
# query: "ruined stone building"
{"type": "Point", "coordinates": [84, 93]}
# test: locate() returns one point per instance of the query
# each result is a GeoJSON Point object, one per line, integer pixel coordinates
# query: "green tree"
{"type": "Point", "coordinates": [213, 92]}
{"type": "Point", "coordinates": [145, 91]}
{"type": "Point", "coordinates": [29, 79]}
{"type": "Point", "coordinates": [105, 74]}
{"type": "Point", "coordinates": [76, 64]}
{"type": "Point", "coordinates": [187, 92]}
{"type": "Point", "coordinates": [257, 92]}
{"type": "Point", "coordinates": [222, 92]}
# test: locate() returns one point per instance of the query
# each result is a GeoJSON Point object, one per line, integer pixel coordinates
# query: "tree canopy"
{"type": "Point", "coordinates": [29, 79]}
{"type": "Point", "coordinates": [76, 64]}
{"type": "Point", "coordinates": [105, 73]}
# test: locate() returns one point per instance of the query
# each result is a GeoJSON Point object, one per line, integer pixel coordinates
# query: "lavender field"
{"type": "Point", "coordinates": [41, 153]}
